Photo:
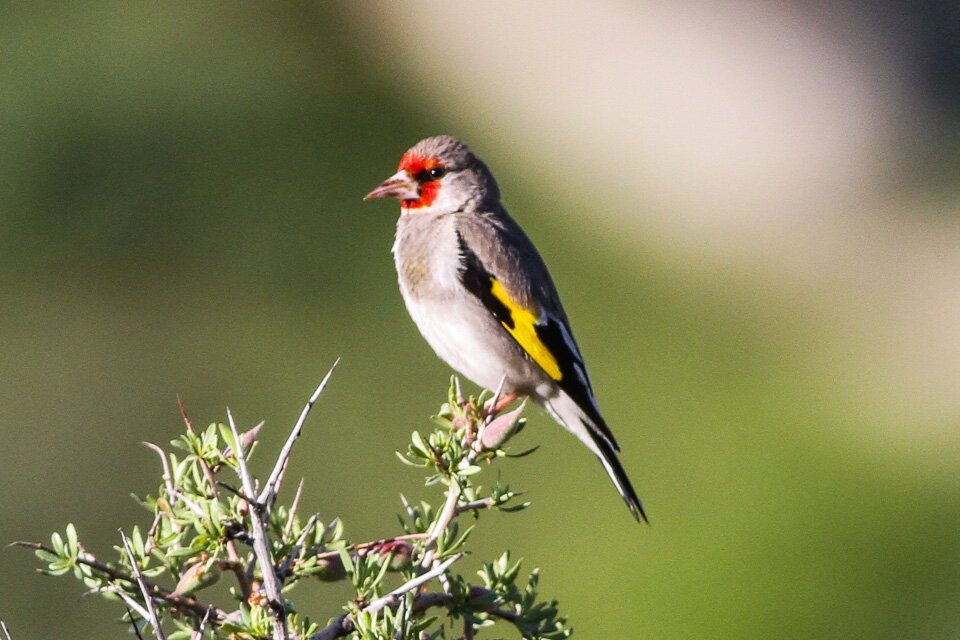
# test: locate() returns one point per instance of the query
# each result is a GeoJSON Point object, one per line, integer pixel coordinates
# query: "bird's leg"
{"type": "Point", "coordinates": [502, 403]}
{"type": "Point", "coordinates": [505, 401]}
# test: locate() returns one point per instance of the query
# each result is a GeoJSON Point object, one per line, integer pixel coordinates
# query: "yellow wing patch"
{"type": "Point", "coordinates": [525, 333]}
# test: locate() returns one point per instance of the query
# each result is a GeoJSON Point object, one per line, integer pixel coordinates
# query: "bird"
{"type": "Point", "coordinates": [482, 297]}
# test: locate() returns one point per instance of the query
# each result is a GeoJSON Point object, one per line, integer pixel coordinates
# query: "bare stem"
{"type": "Point", "coordinates": [198, 634]}
{"type": "Point", "coordinates": [293, 509]}
{"type": "Point", "coordinates": [131, 604]}
{"type": "Point", "coordinates": [147, 597]}
{"type": "Point", "coordinates": [232, 554]}
{"type": "Point", "coordinates": [343, 625]}
{"type": "Point", "coordinates": [393, 598]}
{"type": "Point", "coordinates": [261, 545]}
{"type": "Point", "coordinates": [360, 546]}
{"type": "Point", "coordinates": [447, 514]}
{"type": "Point", "coordinates": [285, 568]}
{"type": "Point", "coordinates": [269, 494]}
{"type": "Point", "coordinates": [176, 600]}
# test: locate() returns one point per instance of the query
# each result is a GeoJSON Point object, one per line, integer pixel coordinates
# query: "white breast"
{"type": "Point", "coordinates": [463, 333]}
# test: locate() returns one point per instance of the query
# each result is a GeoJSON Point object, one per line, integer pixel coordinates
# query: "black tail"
{"type": "Point", "coordinates": [611, 462]}
{"type": "Point", "coordinates": [590, 428]}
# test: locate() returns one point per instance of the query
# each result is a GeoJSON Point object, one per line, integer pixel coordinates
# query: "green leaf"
{"type": "Point", "coordinates": [59, 571]}
{"type": "Point", "coordinates": [452, 391]}
{"type": "Point", "coordinates": [72, 543]}
{"type": "Point", "coordinates": [418, 446]}
{"type": "Point", "coordinates": [462, 539]}
{"type": "Point", "coordinates": [441, 421]}
{"type": "Point", "coordinates": [511, 574]}
{"type": "Point", "coordinates": [227, 436]}
{"type": "Point", "coordinates": [347, 561]}
{"type": "Point", "coordinates": [407, 461]}
{"type": "Point", "coordinates": [180, 553]}
{"type": "Point", "coordinates": [469, 470]}
{"type": "Point", "coordinates": [384, 568]}
{"type": "Point", "coordinates": [136, 541]}
{"type": "Point", "coordinates": [46, 556]}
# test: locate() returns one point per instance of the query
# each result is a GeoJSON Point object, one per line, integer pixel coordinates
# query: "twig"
{"type": "Point", "coordinates": [183, 412]}
{"type": "Point", "coordinates": [136, 629]}
{"type": "Point", "coordinates": [247, 440]}
{"type": "Point", "coordinates": [339, 627]}
{"type": "Point", "coordinates": [454, 490]}
{"type": "Point", "coordinates": [198, 634]}
{"type": "Point", "coordinates": [167, 476]}
{"type": "Point", "coordinates": [131, 604]}
{"type": "Point", "coordinates": [330, 527]}
{"type": "Point", "coordinates": [360, 546]}
{"type": "Point", "coordinates": [343, 625]}
{"type": "Point", "coordinates": [450, 507]}
{"type": "Point", "coordinates": [168, 481]}
{"type": "Point", "coordinates": [176, 600]}
{"type": "Point", "coordinates": [393, 597]}
{"type": "Point", "coordinates": [148, 547]}
{"type": "Point", "coordinates": [285, 567]}
{"type": "Point", "coordinates": [485, 503]}
{"type": "Point", "coordinates": [261, 546]}
{"type": "Point", "coordinates": [235, 563]}
{"type": "Point", "coordinates": [404, 620]}
{"type": "Point", "coordinates": [147, 597]}
{"type": "Point", "coordinates": [293, 509]}
{"type": "Point", "coordinates": [251, 500]}
{"type": "Point", "coordinates": [272, 487]}
{"type": "Point", "coordinates": [410, 512]}
{"type": "Point", "coordinates": [425, 601]}
{"type": "Point", "coordinates": [447, 514]}
{"type": "Point", "coordinates": [495, 399]}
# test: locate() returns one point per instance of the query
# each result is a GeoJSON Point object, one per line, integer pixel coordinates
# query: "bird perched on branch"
{"type": "Point", "coordinates": [482, 297]}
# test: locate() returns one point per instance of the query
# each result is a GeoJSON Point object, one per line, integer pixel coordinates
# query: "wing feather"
{"type": "Point", "coordinates": [545, 336]}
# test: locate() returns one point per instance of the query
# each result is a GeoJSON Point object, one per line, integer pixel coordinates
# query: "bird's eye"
{"type": "Point", "coordinates": [436, 173]}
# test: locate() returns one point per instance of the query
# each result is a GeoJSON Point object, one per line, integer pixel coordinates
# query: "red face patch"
{"type": "Point", "coordinates": [417, 164]}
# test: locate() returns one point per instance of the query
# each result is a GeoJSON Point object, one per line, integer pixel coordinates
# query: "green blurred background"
{"type": "Point", "coordinates": [751, 213]}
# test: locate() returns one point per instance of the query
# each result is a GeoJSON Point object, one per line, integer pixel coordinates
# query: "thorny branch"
{"type": "Point", "coordinates": [454, 490]}
{"type": "Point", "coordinates": [473, 431]}
{"type": "Point", "coordinates": [261, 545]}
{"type": "Point", "coordinates": [342, 625]}
{"type": "Point", "coordinates": [176, 600]}
{"type": "Point", "coordinates": [230, 545]}
{"type": "Point", "coordinates": [147, 598]}
{"type": "Point", "coordinates": [393, 598]}
{"type": "Point", "coordinates": [269, 494]}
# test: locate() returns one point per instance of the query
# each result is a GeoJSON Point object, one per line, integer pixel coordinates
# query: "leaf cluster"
{"type": "Point", "coordinates": [205, 527]}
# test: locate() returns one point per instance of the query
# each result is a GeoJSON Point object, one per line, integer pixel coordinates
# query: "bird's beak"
{"type": "Point", "coordinates": [401, 185]}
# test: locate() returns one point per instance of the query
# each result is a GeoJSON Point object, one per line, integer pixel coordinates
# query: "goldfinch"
{"type": "Point", "coordinates": [482, 297]}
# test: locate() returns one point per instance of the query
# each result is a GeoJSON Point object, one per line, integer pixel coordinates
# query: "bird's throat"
{"type": "Point", "coordinates": [428, 195]}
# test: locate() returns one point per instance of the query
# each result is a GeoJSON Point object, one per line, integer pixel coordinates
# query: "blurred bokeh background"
{"type": "Point", "coordinates": [751, 210]}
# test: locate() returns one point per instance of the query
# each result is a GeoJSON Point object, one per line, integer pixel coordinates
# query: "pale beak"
{"type": "Point", "coordinates": [401, 185]}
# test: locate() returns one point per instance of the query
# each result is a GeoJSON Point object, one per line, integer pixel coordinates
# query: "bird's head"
{"type": "Point", "coordinates": [440, 175]}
